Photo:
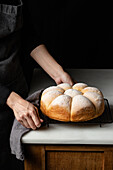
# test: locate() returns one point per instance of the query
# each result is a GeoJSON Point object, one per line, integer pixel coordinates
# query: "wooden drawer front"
{"type": "Point", "coordinates": [76, 157]}
{"type": "Point", "coordinates": [74, 160]}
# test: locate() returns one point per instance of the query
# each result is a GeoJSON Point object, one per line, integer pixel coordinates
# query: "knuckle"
{"type": "Point", "coordinates": [26, 114]}
{"type": "Point", "coordinates": [32, 112]}
{"type": "Point", "coordinates": [18, 119]}
{"type": "Point", "coordinates": [21, 116]}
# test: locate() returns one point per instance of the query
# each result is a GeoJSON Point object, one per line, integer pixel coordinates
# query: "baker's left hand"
{"type": "Point", "coordinates": [25, 112]}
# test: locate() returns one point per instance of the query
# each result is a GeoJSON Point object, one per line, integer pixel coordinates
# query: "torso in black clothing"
{"type": "Point", "coordinates": [78, 34]}
{"type": "Point", "coordinates": [11, 2]}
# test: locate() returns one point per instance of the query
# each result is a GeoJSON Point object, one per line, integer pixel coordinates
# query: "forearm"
{"type": "Point", "coordinates": [46, 61]}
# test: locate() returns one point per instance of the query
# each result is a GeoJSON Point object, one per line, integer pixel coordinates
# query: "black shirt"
{"type": "Point", "coordinates": [78, 34]}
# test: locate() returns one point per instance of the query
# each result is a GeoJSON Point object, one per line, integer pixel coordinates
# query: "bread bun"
{"type": "Point", "coordinates": [72, 103]}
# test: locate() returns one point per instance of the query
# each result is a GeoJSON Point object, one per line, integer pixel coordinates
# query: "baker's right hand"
{"type": "Point", "coordinates": [25, 112]}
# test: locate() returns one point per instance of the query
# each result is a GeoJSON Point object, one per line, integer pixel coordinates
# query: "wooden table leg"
{"type": "Point", "coordinates": [34, 157]}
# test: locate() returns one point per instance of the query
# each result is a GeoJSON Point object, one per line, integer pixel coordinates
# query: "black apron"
{"type": "Point", "coordinates": [11, 74]}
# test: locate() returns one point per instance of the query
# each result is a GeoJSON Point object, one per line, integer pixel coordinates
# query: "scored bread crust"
{"type": "Point", "coordinates": [72, 103]}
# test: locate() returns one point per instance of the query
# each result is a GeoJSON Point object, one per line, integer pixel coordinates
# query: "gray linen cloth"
{"type": "Point", "coordinates": [18, 130]}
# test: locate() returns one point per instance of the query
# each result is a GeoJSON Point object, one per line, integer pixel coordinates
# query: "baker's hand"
{"type": "Point", "coordinates": [25, 112]}
{"type": "Point", "coordinates": [64, 77]}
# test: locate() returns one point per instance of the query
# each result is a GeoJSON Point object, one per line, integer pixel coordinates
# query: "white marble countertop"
{"type": "Point", "coordinates": [75, 134]}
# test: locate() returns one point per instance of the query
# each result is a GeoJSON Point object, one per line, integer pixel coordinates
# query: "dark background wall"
{"type": "Point", "coordinates": [78, 33]}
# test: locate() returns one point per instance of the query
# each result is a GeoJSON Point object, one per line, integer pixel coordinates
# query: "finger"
{"type": "Point", "coordinates": [36, 117]}
{"type": "Point", "coordinates": [41, 120]}
{"type": "Point", "coordinates": [36, 109]}
{"type": "Point", "coordinates": [31, 122]}
{"type": "Point", "coordinates": [71, 81]}
{"type": "Point", "coordinates": [25, 123]}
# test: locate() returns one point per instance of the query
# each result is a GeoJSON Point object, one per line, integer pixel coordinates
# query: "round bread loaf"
{"type": "Point", "coordinates": [72, 103]}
